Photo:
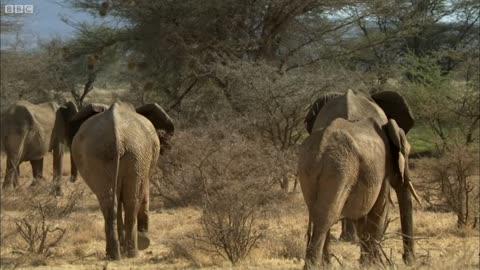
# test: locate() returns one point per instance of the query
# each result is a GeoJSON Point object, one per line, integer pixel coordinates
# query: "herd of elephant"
{"type": "Point", "coordinates": [356, 150]}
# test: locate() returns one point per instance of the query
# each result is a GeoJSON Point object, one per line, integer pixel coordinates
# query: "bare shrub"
{"type": "Point", "coordinates": [292, 246]}
{"type": "Point", "coordinates": [229, 227]}
{"type": "Point", "coordinates": [37, 234]}
{"type": "Point", "coordinates": [179, 181]}
{"type": "Point", "coordinates": [182, 250]}
{"type": "Point", "coordinates": [61, 207]}
{"type": "Point", "coordinates": [455, 177]}
{"type": "Point", "coordinates": [233, 184]}
{"type": "Point", "coordinates": [37, 228]}
{"type": "Point", "coordinates": [54, 207]}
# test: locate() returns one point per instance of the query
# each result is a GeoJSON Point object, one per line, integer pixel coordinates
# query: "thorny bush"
{"type": "Point", "coordinates": [454, 178]}
{"type": "Point", "coordinates": [181, 180]}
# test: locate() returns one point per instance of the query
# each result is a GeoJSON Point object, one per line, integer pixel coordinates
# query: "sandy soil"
{"type": "Point", "coordinates": [440, 245]}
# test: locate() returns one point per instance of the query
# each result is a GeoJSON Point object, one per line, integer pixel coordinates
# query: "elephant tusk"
{"type": "Point", "coordinates": [414, 193]}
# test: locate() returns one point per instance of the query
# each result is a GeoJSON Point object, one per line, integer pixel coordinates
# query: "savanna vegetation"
{"type": "Point", "coordinates": [237, 77]}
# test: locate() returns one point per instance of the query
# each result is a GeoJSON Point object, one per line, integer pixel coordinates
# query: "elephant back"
{"type": "Point", "coordinates": [352, 106]}
{"type": "Point", "coordinates": [17, 117]}
{"type": "Point", "coordinates": [135, 132]}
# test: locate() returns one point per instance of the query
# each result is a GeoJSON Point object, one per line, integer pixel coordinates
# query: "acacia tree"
{"type": "Point", "coordinates": [177, 45]}
{"type": "Point", "coordinates": [394, 29]}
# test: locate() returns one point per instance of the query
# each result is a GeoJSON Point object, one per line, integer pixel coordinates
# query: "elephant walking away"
{"type": "Point", "coordinates": [116, 150]}
{"type": "Point", "coordinates": [28, 132]}
{"type": "Point", "coordinates": [356, 151]}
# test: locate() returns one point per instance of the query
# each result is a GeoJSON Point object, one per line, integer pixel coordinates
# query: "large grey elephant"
{"type": "Point", "coordinates": [357, 149]}
{"type": "Point", "coordinates": [116, 149]}
{"type": "Point", "coordinates": [28, 132]}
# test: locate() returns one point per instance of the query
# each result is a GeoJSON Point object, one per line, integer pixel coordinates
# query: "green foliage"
{"type": "Point", "coordinates": [420, 138]}
{"type": "Point", "coordinates": [447, 107]}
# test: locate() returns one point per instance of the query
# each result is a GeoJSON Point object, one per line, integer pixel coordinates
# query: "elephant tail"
{"type": "Point", "coordinates": [118, 152]}
{"type": "Point", "coordinates": [117, 209]}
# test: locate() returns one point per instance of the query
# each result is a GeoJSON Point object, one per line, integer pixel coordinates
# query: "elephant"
{"type": "Point", "coordinates": [28, 132]}
{"type": "Point", "coordinates": [348, 227]}
{"type": "Point", "coordinates": [116, 150]}
{"type": "Point", "coordinates": [357, 149]}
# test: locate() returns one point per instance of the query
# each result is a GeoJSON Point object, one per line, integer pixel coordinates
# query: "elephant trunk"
{"type": "Point", "coordinates": [406, 219]}
{"type": "Point", "coordinates": [73, 168]}
{"type": "Point", "coordinates": [165, 138]}
{"type": "Point", "coordinates": [57, 168]}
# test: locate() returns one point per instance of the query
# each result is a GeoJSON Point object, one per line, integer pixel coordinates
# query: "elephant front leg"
{"type": "Point", "coordinates": [37, 170]}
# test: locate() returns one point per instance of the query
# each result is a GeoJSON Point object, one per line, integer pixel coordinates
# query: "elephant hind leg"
{"type": "Point", "coordinates": [326, 249]}
{"type": "Point", "coordinates": [110, 215]}
{"type": "Point", "coordinates": [316, 245]}
{"type": "Point", "coordinates": [372, 227]}
{"type": "Point", "coordinates": [131, 242]}
{"type": "Point", "coordinates": [120, 225]}
{"type": "Point", "coordinates": [12, 173]}
{"type": "Point", "coordinates": [143, 237]}
{"type": "Point", "coordinates": [14, 147]}
{"type": "Point", "coordinates": [324, 213]}
{"type": "Point", "coordinates": [37, 170]}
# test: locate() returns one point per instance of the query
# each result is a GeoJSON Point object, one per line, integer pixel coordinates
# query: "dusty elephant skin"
{"type": "Point", "coordinates": [116, 150]}
{"type": "Point", "coordinates": [355, 152]}
{"type": "Point", "coordinates": [28, 132]}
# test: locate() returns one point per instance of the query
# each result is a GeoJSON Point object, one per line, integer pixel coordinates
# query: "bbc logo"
{"type": "Point", "coordinates": [19, 9]}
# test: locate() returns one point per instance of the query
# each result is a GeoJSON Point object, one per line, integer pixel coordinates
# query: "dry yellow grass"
{"type": "Point", "coordinates": [440, 244]}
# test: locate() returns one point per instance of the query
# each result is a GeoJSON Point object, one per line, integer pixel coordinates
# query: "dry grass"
{"type": "Point", "coordinates": [440, 244]}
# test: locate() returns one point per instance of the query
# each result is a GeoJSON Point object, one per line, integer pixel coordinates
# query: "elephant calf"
{"type": "Point", "coordinates": [116, 150]}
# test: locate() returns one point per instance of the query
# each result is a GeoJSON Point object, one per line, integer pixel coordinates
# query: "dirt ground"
{"type": "Point", "coordinates": [440, 244]}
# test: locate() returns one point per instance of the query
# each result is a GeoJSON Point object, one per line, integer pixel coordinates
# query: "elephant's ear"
{"type": "Point", "coordinates": [401, 150]}
{"type": "Point", "coordinates": [315, 109]}
{"type": "Point", "coordinates": [62, 116]}
{"type": "Point", "coordinates": [160, 120]}
{"type": "Point", "coordinates": [395, 107]}
{"type": "Point", "coordinates": [77, 120]}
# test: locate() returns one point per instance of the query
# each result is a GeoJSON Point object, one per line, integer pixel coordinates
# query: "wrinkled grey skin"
{"type": "Point", "coordinates": [116, 149]}
{"type": "Point", "coordinates": [347, 165]}
{"type": "Point", "coordinates": [28, 132]}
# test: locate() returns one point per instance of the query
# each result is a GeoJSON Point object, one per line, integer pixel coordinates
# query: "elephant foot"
{"type": "Point", "coordinates": [8, 186]}
{"type": "Point", "coordinates": [346, 237]}
{"type": "Point", "coordinates": [73, 179]}
{"type": "Point", "coordinates": [143, 240]}
{"type": "Point", "coordinates": [368, 259]}
{"type": "Point", "coordinates": [408, 258]}
{"type": "Point", "coordinates": [132, 253]}
{"type": "Point", "coordinates": [113, 253]}
{"type": "Point", "coordinates": [37, 182]}
{"type": "Point", "coordinates": [57, 191]}
{"type": "Point", "coordinates": [310, 265]}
